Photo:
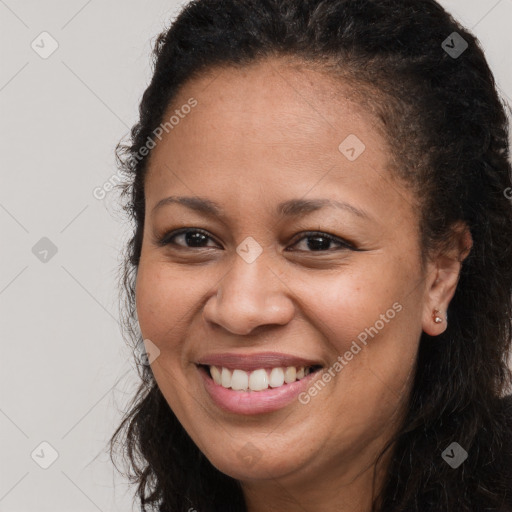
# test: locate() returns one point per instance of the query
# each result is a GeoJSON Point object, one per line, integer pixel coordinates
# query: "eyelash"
{"type": "Point", "coordinates": [166, 239]}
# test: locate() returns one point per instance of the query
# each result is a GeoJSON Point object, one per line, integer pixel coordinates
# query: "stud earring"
{"type": "Point", "coordinates": [435, 316]}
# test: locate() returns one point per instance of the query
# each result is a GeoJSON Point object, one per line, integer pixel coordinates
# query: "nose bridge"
{"type": "Point", "coordinates": [250, 294]}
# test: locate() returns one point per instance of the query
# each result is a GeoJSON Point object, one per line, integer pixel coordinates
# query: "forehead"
{"type": "Point", "coordinates": [292, 102]}
{"type": "Point", "coordinates": [272, 128]}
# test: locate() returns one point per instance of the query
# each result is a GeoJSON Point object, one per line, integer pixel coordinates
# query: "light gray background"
{"type": "Point", "coordinates": [65, 372]}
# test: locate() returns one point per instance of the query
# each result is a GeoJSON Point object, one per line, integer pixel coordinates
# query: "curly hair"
{"type": "Point", "coordinates": [448, 133]}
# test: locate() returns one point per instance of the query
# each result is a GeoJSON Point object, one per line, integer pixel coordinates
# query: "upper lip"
{"type": "Point", "coordinates": [249, 362]}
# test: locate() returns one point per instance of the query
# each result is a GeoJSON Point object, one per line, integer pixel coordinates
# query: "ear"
{"type": "Point", "coordinates": [442, 278]}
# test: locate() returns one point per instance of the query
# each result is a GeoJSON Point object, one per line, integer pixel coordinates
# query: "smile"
{"type": "Point", "coordinates": [255, 383]}
{"type": "Point", "coordinates": [258, 380]}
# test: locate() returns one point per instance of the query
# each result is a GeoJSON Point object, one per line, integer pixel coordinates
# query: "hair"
{"type": "Point", "coordinates": [447, 130]}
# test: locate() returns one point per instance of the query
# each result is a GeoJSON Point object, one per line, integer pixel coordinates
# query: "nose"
{"type": "Point", "coordinates": [250, 295]}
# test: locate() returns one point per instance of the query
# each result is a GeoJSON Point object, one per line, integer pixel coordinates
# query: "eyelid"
{"type": "Point", "coordinates": [335, 239]}
{"type": "Point", "coordinates": [164, 239]}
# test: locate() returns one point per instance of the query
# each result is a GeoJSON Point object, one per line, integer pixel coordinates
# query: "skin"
{"type": "Point", "coordinates": [261, 135]}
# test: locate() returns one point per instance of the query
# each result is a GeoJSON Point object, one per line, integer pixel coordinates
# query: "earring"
{"type": "Point", "coordinates": [435, 316]}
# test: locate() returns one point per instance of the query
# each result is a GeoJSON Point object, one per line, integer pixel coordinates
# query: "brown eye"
{"type": "Point", "coordinates": [321, 242]}
{"type": "Point", "coordinates": [192, 238]}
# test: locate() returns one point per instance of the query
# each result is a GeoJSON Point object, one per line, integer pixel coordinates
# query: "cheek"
{"type": "Point", "coordinates": [150, 298]}
{"type": "Point", "coordinates": [165, 298]}
{"type": "Point", "coordinates": [166, 303]}
{"type": "Point", "coordinates": [160, 305]}
{"type": "Point", "coordinates": [370, 317]}
{"type": "Point", "coordinates": [343, 304]}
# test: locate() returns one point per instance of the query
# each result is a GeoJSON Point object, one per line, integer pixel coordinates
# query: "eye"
{"type": "Point", "coordinates": [193, 236]}
{"type": "Point", "coordinates": [197, 238]}
{"type": "Point", "coordinates": [320, 242]}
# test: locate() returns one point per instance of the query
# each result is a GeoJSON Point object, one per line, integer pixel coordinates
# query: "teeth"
{"type": "Point", "coordinates": [276, 378]}
{"type": "Point", "coordinates": [216, 376]}
{"type": "Point", "coordinates": [239, 380]}
{"type": "Point", "coordinates": [225, 378]}
{"type": "Point", "coordinates": [257, 380]}
{"type": "Point", "coordinates": [290, 375]}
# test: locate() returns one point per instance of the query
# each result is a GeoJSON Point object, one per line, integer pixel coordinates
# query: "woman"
{"type": "Point", "coordinates": [321, 263]}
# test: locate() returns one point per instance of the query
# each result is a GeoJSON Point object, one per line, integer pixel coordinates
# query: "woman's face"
{"type": "Point", "coordinates": [266, 154]}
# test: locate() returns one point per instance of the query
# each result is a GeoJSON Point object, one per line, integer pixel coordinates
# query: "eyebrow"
{"type": "Point", "coordinates": [292, 207]}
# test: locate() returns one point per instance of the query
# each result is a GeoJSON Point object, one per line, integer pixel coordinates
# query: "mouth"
{"type": "Point", "coordinates": [257, 383]}
{"type": "Point", "coordinates": [258, 380]}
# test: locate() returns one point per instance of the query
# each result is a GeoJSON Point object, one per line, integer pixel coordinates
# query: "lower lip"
{"type": "Point", "coordinates": [255, 402]}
